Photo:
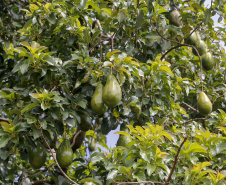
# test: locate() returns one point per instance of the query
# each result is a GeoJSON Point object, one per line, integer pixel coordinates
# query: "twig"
{"type": "Point", "coordinates": [188, 46]}
{"type": "Point", "coordinates": [41, 181]}
{"type": "Point", "coordinates": [46, 168]}
{"type": "Point", "coordinates": [175, 161]}
{"type": "Point", "coordinates": [4, 119]}
{"type": "Point", "coordinates": [189, 106]}
{"type": "Point", "coordinates": [74, 138]}
{"type": "Point", "coordinates": [196, 119]}
{"type": "Point", "coordinates": [174, 47]}
{"type": "Point", "coordinates": [64, 174]}
{"type": "Point", "coordinates": [146, 182]}
{"type": "Point", "coordinates": [217, 98]}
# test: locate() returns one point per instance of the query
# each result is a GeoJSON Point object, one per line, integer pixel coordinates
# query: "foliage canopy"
{"type": "Point", "coordinates": [54, 53]}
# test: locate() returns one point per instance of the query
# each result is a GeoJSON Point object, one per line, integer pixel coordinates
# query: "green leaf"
{"type": "Point", "coordinates": [4, 140]}
{"type": "Point", "coordinates": [112, 174]}
{"type": "Point", "coordinates": [51, 18]}
{"type": "Point", "coordinates": [207, 15]}
{"type": "Point", "coordinates": [140, 19]}
{"type": "Point", "coordinates": [166, 69]}
{"type": "Point", "coordinates": [29, 107]}
{"type": "Point", "coordinates": [195, 147]}
{"type": "Point", "coordinates": [150, 168]}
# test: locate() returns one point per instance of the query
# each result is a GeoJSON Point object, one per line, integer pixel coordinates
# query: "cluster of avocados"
{"type": "Point", "coordinates": [204, 104]}
{"type": "Point", "coordinates": [38, 154]}
{"type": "Point", "coordinates": [108, 96]}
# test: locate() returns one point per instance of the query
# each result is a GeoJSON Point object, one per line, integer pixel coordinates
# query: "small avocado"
{"type": "Point", "coordinates": [204, 104]}
{"type": "Point", "coordinates": [97, 103]}
{"type": "Point", "coordinates": [174, 18]}
{"type": "Point", "coordinates": [37, 156]}
{"type": "Point", "coordinates": [123, 140]}
{"type": "Point", "coordinates": [201, 47]}
{"type": "Point", "coordinates": [194, 39]}
{"type": "Point", "coordinates": [207, 61]}
{"type": "Point", "coordinates": [64, 154]}
{"type": "Point", "coordinates": [112, 93]}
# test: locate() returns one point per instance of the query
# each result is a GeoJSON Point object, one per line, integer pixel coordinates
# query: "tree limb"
{"type": "Point", "coordinates": [175, 161]}
{"type": "Point", "coordinates": [4, 119]}
{"type": "Point", "coordinates": [146, 182]}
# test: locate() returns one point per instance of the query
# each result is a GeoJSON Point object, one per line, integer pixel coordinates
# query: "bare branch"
{"type": "Point", "coordinates": [146, 182]}
{"type": "Point", "coordinates": [74, 138]}
{"type": "Point", "coordinates": [175, 161]}
{"type": "Point", "coordinates": [196, 119]}
{"type": "Point", "coordinates": [4, 119]}
{"type": "Point", "coordinates": [64, 174]}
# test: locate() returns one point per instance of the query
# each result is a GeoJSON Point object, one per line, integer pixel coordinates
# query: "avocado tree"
{"type": "Point", "coordinates": [72, 71]}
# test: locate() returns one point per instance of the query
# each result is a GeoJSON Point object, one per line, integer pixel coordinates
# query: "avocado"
{"type": "Point", "coordinates": [37, 156]}
{"type": "Point", "coordinates": [64, 154]}
{"type": "Point", "coordinates": [204, 104]}
{"type": "Point", "coordinates": [112, 93]}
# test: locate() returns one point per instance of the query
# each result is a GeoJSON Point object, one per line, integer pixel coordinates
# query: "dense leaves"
{"type": "Point", "coordinates": [53, 55]}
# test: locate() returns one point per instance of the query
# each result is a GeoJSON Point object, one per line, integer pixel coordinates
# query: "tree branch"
{"type": "Point", "coordinates": [175, 161]}
{"type": "Point", "coordinates": [146, 182]}
{"type": "Point", "coordinates": [64, 174]}
{"type": "Point", "coordinates": [196, 119]}
{"type": "Point", "coordinates": [188, 46]}
{"type": "Point", "coordinates": [4, 119]}
{"type": "Point", "coordinates": [189, 106]}
{"type": "Point", "coordinates": [74, 138]}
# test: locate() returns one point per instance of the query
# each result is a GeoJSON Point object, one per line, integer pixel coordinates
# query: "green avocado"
{"type": "Point", "coordinates": [194, 39]}
{"type": "Point", "coordinates": [37, 156]}
{"type": "Point", "coordinates": [112, 93]}
{"type": "Point", "coordinates": [123, 140]}
{"type": "Point", "coordinates": [97, 103]}
{"type": "Point", "coordinates": [92, 145]}
{"type": "Point", "coordinates": [201, 47]}
{"type": "Point", "coordinates": [174, 18]}
{"type": "Point", "coordinates": [207, 61]}
{"type": "Point", "coordinates": [85, 120]}
{"type": "Point", "coordinates": [204, 104]}
{"type": "Point", "coordinates": [64, 154]}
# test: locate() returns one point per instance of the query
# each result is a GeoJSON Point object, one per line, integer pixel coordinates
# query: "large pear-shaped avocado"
{"type": "Point", "coordinates": [64, 154]}
{"type": "Point", "coordinates": [174, 18]}
{"type": "Point", "coordinates": [204, 104]}
{"type": "Point", "coordinates": [201, 47]}
{"type": "Point", "coordinates": [123, 140]}
{"type": "Point", "coordinates": [85, 120]}
{"type": "Point", "coordinates": [97, 103]}
{"type": "Point", "coordinates": [112, 93]}
{"type": "Point", "coordinates": [37, 156]}
{"type": "Point", "coordinates": [207, 61]}
{"type": "Point", "coordinates": [194, 39]}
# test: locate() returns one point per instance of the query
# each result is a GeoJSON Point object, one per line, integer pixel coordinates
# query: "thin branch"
{"type": "Point", "coordinates": [146, 182]}
{"type": "Point", "coordinates": [188, 46]}
{"type": "Point", "coordinates": [46, 168]}
{"type": "Point", "coordinates": [64, 174]}
{"type": "Point", "coordinates": [74, 138]}
{"type": "Point", "coordinates": [196, 119]}
{"type": "Point", "coordinates": [175, 161]}
{"type": "Point", "coordinates": [4, 119]}
{"type": "Point", "coordinates": [189, 106]}
{"type": "Point", "coordinates": [217, 98]}
{"type": "Point", "coordinates": [174, 47]}
{"type": "Point", "coordinates": [41, 181]}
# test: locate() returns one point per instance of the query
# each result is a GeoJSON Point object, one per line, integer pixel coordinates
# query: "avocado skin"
{"type": "Point", "coordinates": [204, 104]}
{"type": "Point", "coordinates": [112, 93]}
{"type": "Point", "coordinates": [97, 103]}
{"type": "Point", "coordinates": [64, 154]}
{"type": "Point", "coordinates": [37, 156]}
{"type": "Point", "coordinates": [207, 61]}
{"type": "Point", "coordinates": [174, 18]}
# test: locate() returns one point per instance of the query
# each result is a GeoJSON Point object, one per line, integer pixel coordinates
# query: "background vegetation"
{"type": "Point", "coordinates": [53, 53]}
